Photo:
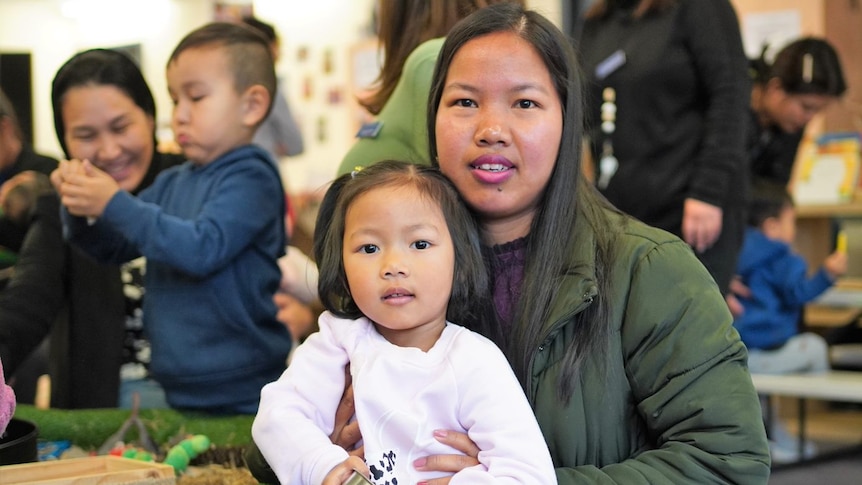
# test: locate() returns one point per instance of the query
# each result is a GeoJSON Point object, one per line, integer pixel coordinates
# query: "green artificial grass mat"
{"type": "Point", "coordinates": [89, 428]}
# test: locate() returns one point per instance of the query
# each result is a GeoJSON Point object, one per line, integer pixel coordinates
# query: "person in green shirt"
{"type": "Point", "coordinates": [411, 34]}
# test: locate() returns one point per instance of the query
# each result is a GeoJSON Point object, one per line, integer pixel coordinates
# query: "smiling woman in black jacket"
{"type": "Point", "coordinates": [56, 289]}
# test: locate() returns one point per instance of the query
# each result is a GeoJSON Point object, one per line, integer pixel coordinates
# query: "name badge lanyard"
{"type": "Point", "coordinates": [608, 163]}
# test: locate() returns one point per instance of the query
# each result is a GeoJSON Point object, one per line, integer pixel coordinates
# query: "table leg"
{"type": "Point", "coordinates": [802, 429]}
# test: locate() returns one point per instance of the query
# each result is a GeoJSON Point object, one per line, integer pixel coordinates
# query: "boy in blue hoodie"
{"type": "Point", "coordinates": [211, 229]}
{"type": "Point", "coordinates": [779, 287]}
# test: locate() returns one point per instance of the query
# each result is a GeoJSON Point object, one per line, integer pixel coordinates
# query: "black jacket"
{"type": "Point", "coordinates": [11, 234]}
{"type": "Point", "coordinates": [771, 152]}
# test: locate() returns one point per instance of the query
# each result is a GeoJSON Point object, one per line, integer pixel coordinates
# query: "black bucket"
{"type": "Point", "coordinates": [18, 443]}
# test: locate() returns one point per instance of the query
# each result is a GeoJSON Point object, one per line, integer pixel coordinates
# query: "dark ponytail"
{"type": "Point", "coordinates": [805, 66]}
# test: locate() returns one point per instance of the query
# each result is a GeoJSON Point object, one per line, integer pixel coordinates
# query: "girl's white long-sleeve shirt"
{"type": "Point", "coordinates": [401, 395]}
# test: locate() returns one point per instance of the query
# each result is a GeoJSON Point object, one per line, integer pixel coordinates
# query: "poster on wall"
{"type": "Point", "coordinates": [771, 30]}
{"type": "Point", "coordinates": [226, 11]}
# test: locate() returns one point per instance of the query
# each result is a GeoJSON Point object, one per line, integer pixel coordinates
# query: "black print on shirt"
{"type": "Point", "coordinates": [387, 464]}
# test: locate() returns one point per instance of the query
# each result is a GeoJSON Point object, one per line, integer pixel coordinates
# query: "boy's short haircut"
{"type": "Point", "coordinates": [248, 53]}
{"type": "Point", "coordinates": [768, 200]}
{"type": "Point", "coordinates": [266, 29]}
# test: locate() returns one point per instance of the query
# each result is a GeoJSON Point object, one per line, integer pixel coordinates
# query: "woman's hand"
{"type": "Point", "coordinates": [449, 463]}
{"type": "Point", "coordinates": [64, 169]}
{"type": "Point", "coordinates": [346, 433]}
{"type": "Point", "coordinates": [701, 224]}
{"type": "Point", "coordinates": [86, 190]}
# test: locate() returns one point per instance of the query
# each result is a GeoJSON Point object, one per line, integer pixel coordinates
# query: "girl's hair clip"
{"type": "Point", "coordinates": [355, 171]}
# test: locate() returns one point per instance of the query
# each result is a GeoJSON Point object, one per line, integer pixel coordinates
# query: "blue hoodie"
{"type": "Point", "coordinates": [779, 289]}
{"type": "Point", "coordinates": [212, 236]}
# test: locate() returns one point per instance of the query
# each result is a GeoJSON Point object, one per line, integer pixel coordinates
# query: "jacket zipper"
{"type": "Point", "coordinates": [587, 300]}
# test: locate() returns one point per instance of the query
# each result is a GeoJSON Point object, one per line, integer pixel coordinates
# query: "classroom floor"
{"type": "Point", "coordinates": [832, 424]}
{"type": "Point", "coordinates": [837, 432]}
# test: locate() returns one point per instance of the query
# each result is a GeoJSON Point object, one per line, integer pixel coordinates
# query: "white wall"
{"type": "Point", "coordinates": [324, 28]}
{"type": "Point", "coordinates": [53, 30]}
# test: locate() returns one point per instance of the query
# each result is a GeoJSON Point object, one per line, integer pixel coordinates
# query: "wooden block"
{"type": "Point", "coordinates": [101, 470]}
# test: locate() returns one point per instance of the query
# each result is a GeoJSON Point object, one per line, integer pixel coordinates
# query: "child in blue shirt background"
{"type": "Point", "coordinates": [778, 289]}
{"type": "Point", "coordinates": [778, 284]}
{"type": "Point", "coordinates": [211, 229]}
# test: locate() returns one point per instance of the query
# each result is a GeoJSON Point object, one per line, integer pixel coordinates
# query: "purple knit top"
{"type": "Point", "coordinates": [507, 269]}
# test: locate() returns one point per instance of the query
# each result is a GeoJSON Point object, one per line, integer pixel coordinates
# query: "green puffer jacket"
{"type": "Point", "coordinates": [672, 402]}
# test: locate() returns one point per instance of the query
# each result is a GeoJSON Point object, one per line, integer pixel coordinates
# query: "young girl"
{"type": "Point", "coordinates": [399, 258]}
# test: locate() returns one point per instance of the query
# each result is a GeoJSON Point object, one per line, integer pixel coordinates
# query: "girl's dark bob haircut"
{"type": "Point", "coordinates": [470, 276]}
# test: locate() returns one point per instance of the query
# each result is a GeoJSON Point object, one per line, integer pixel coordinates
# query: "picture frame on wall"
{"type": "Point", "coordinates": [227, 11]}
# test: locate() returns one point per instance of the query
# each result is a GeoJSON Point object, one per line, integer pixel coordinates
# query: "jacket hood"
{"type": "Point", "coordinates": [757, 250]}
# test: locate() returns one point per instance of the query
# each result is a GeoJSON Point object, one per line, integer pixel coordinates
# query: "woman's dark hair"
{"type": "Point", "coordinates": [470, 277]}
{"type": "Point", "coordinates": [99, 67]}
{"type": "Point", "coordinates": [402, 26]}
{"type": "Point", "coordinates": [768, 199]}
{"type": "Point", "coordinates": [566, 199]}
{"type": "Point", "coordinates": [639, 8]}
{"type": "Point", "coordinates": [805, 66]}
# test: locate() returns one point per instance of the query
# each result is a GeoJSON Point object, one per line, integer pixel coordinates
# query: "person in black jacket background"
{"type": "Point", "coordinates": [103, 111]}
{"type": "Point", "coordinates": [667, 92]}
{"type": "Point", "coordinates": [15, 157]}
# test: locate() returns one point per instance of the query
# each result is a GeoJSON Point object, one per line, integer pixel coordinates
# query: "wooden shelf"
{"type": "Point", "coordinates": [820, 316]}
{"type": "Point", "coordinates": [850, 209]}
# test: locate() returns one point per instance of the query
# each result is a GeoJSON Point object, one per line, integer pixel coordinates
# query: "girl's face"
{"type": "Point", "coordinates": [400, 262]}
{"type": "Point", "coordinates": [791, 112]}
{"type": "Point", "coordinates": [103, 125]}
{"type": "Point", "coordinates": [498, 131]}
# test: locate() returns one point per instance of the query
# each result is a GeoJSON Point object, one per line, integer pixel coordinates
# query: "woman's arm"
{"type": "Point", "coordinates": [711, 32]}
{"type": "Point", "coordinates": [687, 370]}
{"type": "Point", "coordinates": [36, 291]}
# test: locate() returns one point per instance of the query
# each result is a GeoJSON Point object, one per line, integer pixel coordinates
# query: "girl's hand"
{"type": "Point", "coordinates": [342, 471]}
{"type": "Point", "coordinates": [346, 433]}
{"type": "Point", "coordinates": [449, 463]}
